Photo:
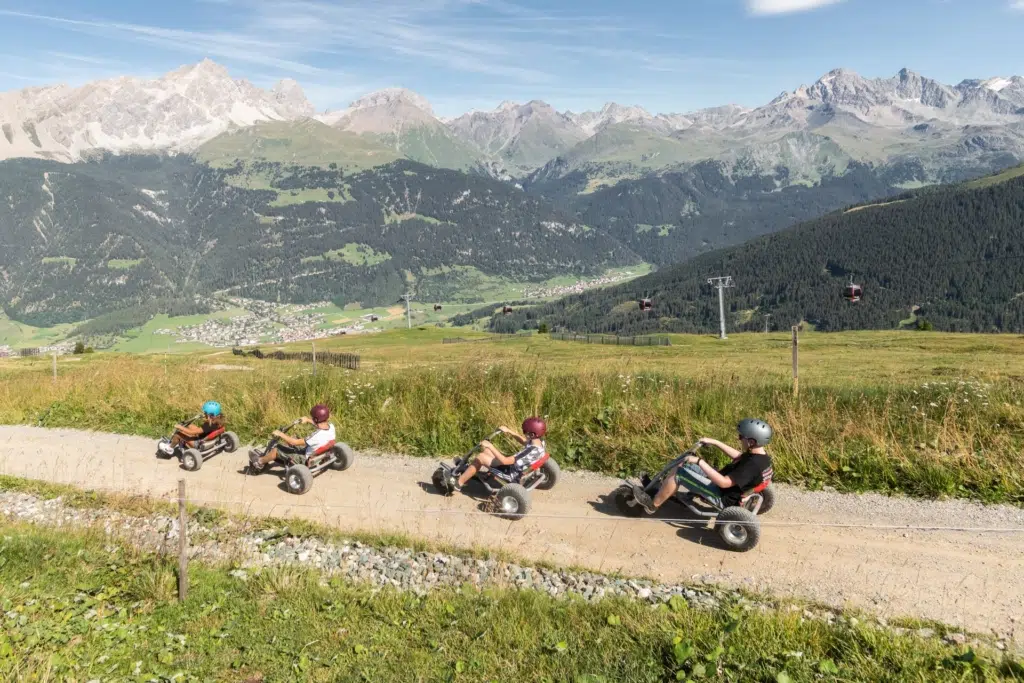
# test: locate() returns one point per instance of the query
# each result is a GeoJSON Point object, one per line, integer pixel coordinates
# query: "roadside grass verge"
{"type": "Point", "coordinates": [78, 607]}
{"type": "Point", "coordinates": [951, 434]}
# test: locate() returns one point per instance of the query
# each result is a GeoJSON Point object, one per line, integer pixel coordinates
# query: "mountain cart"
{"type": "Point", "coordinates": [192, 454]}
{"type": "Point", "coordinates": [300, 469]}
{"type": "Point", "coordinates": [510, 486]}
{"type": "Point", "coordinates": [737, 525]}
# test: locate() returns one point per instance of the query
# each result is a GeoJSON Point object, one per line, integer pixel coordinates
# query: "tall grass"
{"type": "Point", "coordinates": [945, 437]}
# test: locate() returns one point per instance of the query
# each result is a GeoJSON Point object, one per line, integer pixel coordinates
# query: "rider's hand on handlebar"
{"type": "Point", "coordinates": [691, 459]}
{"type": "Point", "coordinates": [278, 433]}
{"type": "Point", "coordinates": [306, 419]}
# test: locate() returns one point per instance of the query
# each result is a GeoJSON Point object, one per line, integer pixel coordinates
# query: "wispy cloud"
{"type": "Point", "coordinates": [497, 41]}
{"type": "Point", "coordinates": [485, 37]}
{"type": "Point", "coordinates": [1017, 5]}
{"type": "Point", "coordinates": [83, 59]}
{"type": "Point", "coordinates": [235, 46]}
{"type": "Point", "coordinates": [767, 7]}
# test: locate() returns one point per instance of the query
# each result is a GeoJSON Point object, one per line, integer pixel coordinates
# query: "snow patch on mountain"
{"type": "Point", "coordinates": [176, 113]}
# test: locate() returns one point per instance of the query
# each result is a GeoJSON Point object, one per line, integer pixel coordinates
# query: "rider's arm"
{"type": "Point", "coordinates": [508, 432]}
{"type": "Point", "coordinates": [722, 482]}
{"type": "Point", "coordinates": [728, 450]}
{"type": "Point", "coordinates": [290, 440]}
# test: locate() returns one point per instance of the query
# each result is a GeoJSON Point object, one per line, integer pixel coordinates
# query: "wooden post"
{"type": "Point", "coordinates": [54, 366]}
{"type": "Point", "coordinates": [796, 353]}
{"type": "Point", "coordinates": [182, 544]}
{"type": "Point", "coordinates": [314, 358]}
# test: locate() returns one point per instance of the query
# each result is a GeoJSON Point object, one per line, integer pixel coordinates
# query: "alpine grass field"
{"type": "Point", "coordinates": [927, 414]}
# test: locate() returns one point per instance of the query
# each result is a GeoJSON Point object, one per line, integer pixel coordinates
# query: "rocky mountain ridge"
{"type": "Point", "coordinates": [196, 103]}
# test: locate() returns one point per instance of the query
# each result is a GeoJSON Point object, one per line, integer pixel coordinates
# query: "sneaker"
{"type": "Point", "coordinates": [645, 500]}
{"type": "Point", "coordinates": [454, 484]}
{"type": "Point", "coordinates": [165, 448]}
{"type": "Point", "coordinates": [254, 462]}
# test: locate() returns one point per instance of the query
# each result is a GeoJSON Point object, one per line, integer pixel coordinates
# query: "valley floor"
{"type": "Point", "coordinates": [864, 551]}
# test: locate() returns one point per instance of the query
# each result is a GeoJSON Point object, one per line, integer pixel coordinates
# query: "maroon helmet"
{"type": "Point", "coordinates": [320, 413]}
{"type": "Point", "coordinates": [535, 426]}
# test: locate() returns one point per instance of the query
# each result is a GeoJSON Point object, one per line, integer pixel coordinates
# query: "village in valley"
{"type": "Point", "coordinates": [264, 322]}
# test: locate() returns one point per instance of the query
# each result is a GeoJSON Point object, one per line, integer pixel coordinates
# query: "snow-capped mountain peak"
{"type": "Point", "coordinates": [176, 112]}
{"type": "Point", "coordinates": [996, 84]}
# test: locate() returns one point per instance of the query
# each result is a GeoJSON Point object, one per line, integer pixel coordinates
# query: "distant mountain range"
{"type": "Point", "coordinates": [107, 185]}
{"type": "Point", "coordinates": [975, 124]}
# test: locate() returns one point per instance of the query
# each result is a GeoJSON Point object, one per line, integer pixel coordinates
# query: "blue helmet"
{"type": "Point", "coordinates": [211, 408]}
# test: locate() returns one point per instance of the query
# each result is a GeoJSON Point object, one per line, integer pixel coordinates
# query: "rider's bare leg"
{"type": "Point", "coordinates": [267, 458]}
{"type": "Point", "coordinates": [667, 490]}
{"type": "Point", "coordinates": [488, 454]}
{"type": "Point", "coordinates": [185, 434]}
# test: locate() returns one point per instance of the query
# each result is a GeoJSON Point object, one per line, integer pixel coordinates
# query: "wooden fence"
{"type": "Point", "coordinates": [343, 360]}
{"type": "Point", "coordinates": [611, 339]}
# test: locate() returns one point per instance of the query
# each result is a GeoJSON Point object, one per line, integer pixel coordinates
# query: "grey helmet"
{"type": "Point", "coordinates": [758, 430]}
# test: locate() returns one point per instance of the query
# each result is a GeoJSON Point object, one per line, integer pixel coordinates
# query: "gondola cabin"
{"type": "Point", "coordinates": [852, 293]}
{"type": "Point", "coordinates": [437, 307]}
{"type": "Point", "coordinates": [645, 304]}
{"type": "Point", "coordinates": [374, 318]}
{"type": "Point", "coordinates": [506, 310]}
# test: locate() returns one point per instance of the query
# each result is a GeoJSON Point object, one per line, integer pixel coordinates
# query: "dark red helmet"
{"type": "Point", "coordinates": [535, 426]}
{"type": "Point", "coordinates": [320, 413]}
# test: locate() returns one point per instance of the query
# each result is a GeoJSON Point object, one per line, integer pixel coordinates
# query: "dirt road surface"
{"type": "Point", "coordinates": [968, 579]}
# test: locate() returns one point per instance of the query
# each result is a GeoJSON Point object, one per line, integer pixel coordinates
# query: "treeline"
{"type": "Point", "coordinates": [956, 254]}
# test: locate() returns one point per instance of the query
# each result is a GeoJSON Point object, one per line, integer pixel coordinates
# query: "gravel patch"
{"type": "Point", "coordinates": [404, 569]}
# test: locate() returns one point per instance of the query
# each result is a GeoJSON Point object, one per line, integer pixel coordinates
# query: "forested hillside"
{"type": "Point", "coordinates": [955, 252]}
{"type": "Point", "coordinates": [80, 240]}
{"type": "Point", "coordinates": [670, 217]}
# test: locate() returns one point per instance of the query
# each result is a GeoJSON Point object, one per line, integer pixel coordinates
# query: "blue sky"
{"type": "Point", "coordinates": [665, 55]}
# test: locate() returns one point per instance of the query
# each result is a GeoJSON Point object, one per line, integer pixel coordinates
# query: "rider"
{"type": "Point", "coordinates": [748, 469]}
{"type": "Point", "coordinates": [319, 416]}
{"type": "Point", "coordinates": [213, 420]}
{"type": "Point", "coordinates": [532, 439]}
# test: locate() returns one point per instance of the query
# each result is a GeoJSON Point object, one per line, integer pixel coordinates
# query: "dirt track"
{"type": "Point", "coordinates": [968, 579]}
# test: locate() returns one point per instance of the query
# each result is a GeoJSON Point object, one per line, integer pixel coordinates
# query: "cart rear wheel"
{"type": "Point", "coordinates": [344, 455]}
{"type": "Point", "coordinates": [551, 472]}
{"type": "Point", "coordinates": [767, 499]}
{"type": "Point", "coordinates": [231, 442]}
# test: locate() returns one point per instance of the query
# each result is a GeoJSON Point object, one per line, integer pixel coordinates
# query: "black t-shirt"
{"type": "Point", "coordinates": [746, 472]}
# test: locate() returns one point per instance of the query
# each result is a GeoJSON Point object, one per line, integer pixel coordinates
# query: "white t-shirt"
{"type": "Point", "coordinates": [319, 439]}
{"type": "Point", "coordinates": [531, 453]}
